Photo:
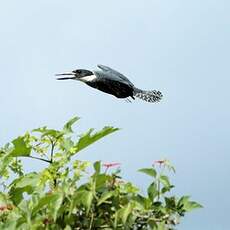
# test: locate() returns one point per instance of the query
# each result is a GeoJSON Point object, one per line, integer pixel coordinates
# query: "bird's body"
{"type": "Point", "coordinates": [112, 82]}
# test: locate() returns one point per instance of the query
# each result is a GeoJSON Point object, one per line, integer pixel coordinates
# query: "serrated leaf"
{"type": "Point", "coordinates": [5, 161]}
{"type": "Point", "coordinates": [67, 144]}
{"type": "Point", "coordinates": [27, 183]}
{"type": "Point", "coordinates": [21, 147]}
{"type": "Point", "coordinates": [105, 197]}
{"type": "Point", "coordinates": [40, 130]}
{"type": "Point", "coordinates": [148, 171]}
{"type": "Point", "coordinates": [68, 126]}
{"type": "Point", "coordinates": [90, 137]}
{"type": "Point", "coordinates": [49, 132]}
{"type": "Point", "coordinates": [30, 179]}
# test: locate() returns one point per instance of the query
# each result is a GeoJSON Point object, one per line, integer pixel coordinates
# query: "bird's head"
{"type": "Point", "coordinates": [78, 74]}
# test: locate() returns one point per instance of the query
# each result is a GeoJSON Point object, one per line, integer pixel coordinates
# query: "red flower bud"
{"type": "Point", "coordinates": [160, 162]}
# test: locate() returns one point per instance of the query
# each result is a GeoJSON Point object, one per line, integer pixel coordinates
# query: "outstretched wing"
{"type": "Point", "coordinates": [113, 72]}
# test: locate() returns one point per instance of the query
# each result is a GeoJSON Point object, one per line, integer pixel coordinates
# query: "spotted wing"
{"type": "Point", "coordinates": [113, 72]}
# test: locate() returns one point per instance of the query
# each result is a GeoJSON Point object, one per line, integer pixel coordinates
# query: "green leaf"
{"type": "Point", "coordinates": [130, 188]}
{"type": "Point", "coordinates": [52, 133]}
{"type": "Point", "coordinates": [27, 183]}
{"type": "Point", "coordinates": [152, 191]}
{"type": "Point", "coordinates": [21, 147]}
{"type": "Point", "coordinates": [80, 199]}
{"type": "Point", "coordinates": [193, 205]}
{"type": "Point", "coordinates": [144, 202]}
{"type": "Point", "coordinates": [105, 197]}
{"type": "Point", "coordinates": [166, 189]}
{"type": "Point", "coordinates": [68, 126]}
{"type": "Point", "coordinates": [87, 199]}
{"type": "Point", "coordinates": [3, 199]}
{"type": "Point", "coordinates": [5, 161]}
{"type": "Point", "coordinates": [148, 171]}
{"type": "Point", "coordinates": [53, 201]}
{"type": "Point", "coordinates": [90, 137]}
{"type": "Point", "coordinates": [170, 202]}
{"type": "Point", "coordinates": [67, 144]}
{"type": "Point", "coordinates": [165, 180]}
{"type": "Point", "coordinates": [101, 180]}
{"type": "Point", "coordinates": [30, 179]}
{"type": "Point", "coordinates": [97, 167]}
{"type": "Point", "coordinates": [187, 204]}
{"type": "Point", "coordinates": [56, 204]}
{"type": "Point", "coordinates": [76, 200]}
{"type": "Point", "coordinates": [183, 200]}
{"type": "Point", "coordinates": [125, 212]}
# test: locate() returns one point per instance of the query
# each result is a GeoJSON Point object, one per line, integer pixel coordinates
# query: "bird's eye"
{"type": "Point", "coordinates": [77, 71]}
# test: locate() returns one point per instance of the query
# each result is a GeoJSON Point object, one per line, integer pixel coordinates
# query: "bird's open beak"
{"type": "Point", "coordinates": [62, 74]}
{"type": "Point", "coordinates": [65, 74]}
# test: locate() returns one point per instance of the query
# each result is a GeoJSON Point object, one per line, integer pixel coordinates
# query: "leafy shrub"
{"type": "Point", "coordinates": [71, 194]}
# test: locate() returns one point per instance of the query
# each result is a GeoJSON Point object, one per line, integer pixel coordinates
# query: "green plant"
{"type": "Point", "coordinates": [73, 194]}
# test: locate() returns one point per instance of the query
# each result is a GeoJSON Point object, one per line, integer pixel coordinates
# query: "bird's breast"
{"type": "Point", "coordinates": [116, 88]}
{"type": "Point", "coordinates": [88, 78]}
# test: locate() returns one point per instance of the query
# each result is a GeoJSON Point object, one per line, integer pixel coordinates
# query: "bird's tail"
{"type": "Point", "coordinates": [148, 95]}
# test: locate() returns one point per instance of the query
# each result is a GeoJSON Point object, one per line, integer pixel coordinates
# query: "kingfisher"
{"type": "Point", "coordinates": [112, 82]}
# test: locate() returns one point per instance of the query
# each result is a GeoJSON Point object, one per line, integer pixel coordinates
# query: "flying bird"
{"type": "Point", "coordinates": [112, 82]}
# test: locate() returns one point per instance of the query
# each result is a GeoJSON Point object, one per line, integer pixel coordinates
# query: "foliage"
{"type": "Point", "coordinates": [64, 195]}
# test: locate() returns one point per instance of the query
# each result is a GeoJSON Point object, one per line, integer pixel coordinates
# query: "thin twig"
{"type": "Point", "coordinates": [53, 144]}
{"type": "Point", "coordinates": [52, 149]}
{"type": "Point", "coordinates": [52, 152]}
{"type": "Point", "coordinates": [38, 158]}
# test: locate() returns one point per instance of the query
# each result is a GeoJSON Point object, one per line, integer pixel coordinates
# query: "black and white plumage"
{"type": "Point", "coordinates": [112, 82]}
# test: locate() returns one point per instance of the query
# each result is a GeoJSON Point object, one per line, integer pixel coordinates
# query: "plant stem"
{"type": "Point", "coordinates": [38, 158]}
{"type": "Point", "coordinates": [52, 150]}
{"type": "Point", "coordinates": [91, 221]}
{"type": "Point", "coordinates": [158, 189]}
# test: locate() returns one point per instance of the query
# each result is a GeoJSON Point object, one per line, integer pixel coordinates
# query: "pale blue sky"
{"type": "Point", "coordinates": [179, 47]}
